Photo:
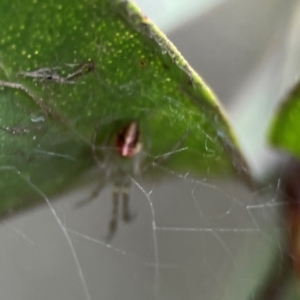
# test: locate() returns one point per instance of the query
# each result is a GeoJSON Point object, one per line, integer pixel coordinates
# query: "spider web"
{"type": "Point", "coordinates": [190, 237]}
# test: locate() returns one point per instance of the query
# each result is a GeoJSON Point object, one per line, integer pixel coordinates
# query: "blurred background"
{"type": "Point", "coordinates": [247, 51]}
{"type": "Point", "coordinates": [202, 240]}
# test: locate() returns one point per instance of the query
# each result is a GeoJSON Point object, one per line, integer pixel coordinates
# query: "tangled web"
{"type": "Point", "coordinates": [190, 238]}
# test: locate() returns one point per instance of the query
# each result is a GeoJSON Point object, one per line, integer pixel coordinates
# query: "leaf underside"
{"type": "Point", "coordinates": [69, 69]}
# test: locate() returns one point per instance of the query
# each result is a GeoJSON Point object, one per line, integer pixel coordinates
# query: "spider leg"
{"type": "Point", "coordinates": [100, 165]}
{"type": "Point", "coordinates": [157, 160]}
{"type": "Point", "coordinates": [100, 162]}
{"type": "Point", "coordinates": [113, 224]}
{"type": "Point", "coordinates": [127, 216]}
{"type": "Point", "coordinates": [161, 158]}
{"type": "Point", "coordinates": [92, 196]}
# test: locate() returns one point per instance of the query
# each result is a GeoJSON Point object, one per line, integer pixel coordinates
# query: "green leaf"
{"type": "Point", "coordinates": [285, 128]}
{"type": "Point", "coordinates": [73, 74]}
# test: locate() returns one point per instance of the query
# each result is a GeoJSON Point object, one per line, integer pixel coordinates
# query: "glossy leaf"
{"type": "Point", "coordinates": [285, 130]}
{"type": "Point", "coordinates": [73, 74]}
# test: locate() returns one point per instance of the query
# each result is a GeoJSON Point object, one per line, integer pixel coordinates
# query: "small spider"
{"type": "Point", "coordinates": [123, 159]}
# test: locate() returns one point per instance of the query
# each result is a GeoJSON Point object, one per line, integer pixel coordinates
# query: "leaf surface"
{"type": "Point", "coordinates": [285, 128]}
{"type": "Point", "coordinates": [73, 74]}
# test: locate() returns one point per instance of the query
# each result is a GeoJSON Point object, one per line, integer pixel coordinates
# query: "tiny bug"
{"type": "Point", "coordinates": [123, 159]}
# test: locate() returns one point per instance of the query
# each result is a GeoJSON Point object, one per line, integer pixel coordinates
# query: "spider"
{"type": "Point", "coordinates": [123, 161]}
{"type": "Point", "coordinates": [126, 156]}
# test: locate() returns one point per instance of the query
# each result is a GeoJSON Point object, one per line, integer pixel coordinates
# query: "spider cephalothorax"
{"type": "Point", "coordinates": [128, 142]}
